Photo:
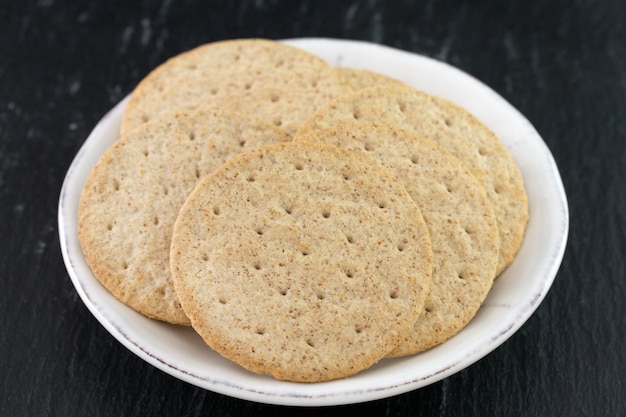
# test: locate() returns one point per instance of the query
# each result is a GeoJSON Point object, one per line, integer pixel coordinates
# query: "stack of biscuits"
{"type": "Point", "coordinates": [306, 220]}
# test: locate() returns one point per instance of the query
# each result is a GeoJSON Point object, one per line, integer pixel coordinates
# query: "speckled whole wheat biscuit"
{"type": "Point", "coordinates": [362, 78]}
{"type": "Point", "coordinates": [302, 261]}
{"type": "Point", "coordinates": [132, 196]}
{"type": "Point", "coordinates": [268, 79]}
{"type": "Point", "coordinates": [458, 132]}
{"type": "Point", "coordinates": [459, 216]}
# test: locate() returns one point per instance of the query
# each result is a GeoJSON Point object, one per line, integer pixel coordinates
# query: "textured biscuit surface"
{"type": "Point", "coordinates": [303, 261]}
{"type": "Point", "coordinates": [458, 214]}
{"type": "Point", "coordinates": [268, 79]}
{"type": "Point", "coordinates": [360, 78]}
{"type": "Point", "coordinates": [458, 132]}
{"type": "Point", "coordinates": [132, 196]}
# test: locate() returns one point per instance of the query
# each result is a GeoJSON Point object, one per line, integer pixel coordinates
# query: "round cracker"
{"type": "Point", "coordinates": [457, 131]}
{"type": "Point", "coordinates": [270, 80]}
{"type": "Point", "coordinates": [132, 196]}
{"type": "Point", "coordinates": [457, 212]}
{"type": "Point", "coordinates": [287, 260]}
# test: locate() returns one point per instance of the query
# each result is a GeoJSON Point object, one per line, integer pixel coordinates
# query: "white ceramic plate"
{"type": "Point", "coordinates": [515, 295]}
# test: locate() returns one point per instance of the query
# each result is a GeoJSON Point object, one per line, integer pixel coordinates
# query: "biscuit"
{"type": "Point", "coordinates": [458, 132]}
{"type": "Point", "coordinates": [362, 78]}
{"type": "Point", "coordinates": [267, 79]}
{"type": "Point", "coordinates": [132, 196]}
{"type": "Point", "coordinates": [303, 261]}
{"type": "Point", "coordinates": [462, 225]}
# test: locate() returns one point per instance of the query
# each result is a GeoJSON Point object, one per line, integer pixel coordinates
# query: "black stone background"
{"type": "Point", "coordinates": [561, 63]}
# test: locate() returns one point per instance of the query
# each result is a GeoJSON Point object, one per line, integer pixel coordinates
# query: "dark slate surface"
{"type": "Point", "coordinates": [561, 63]}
